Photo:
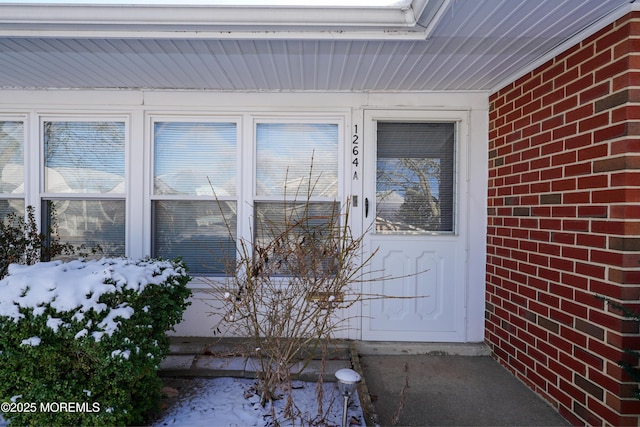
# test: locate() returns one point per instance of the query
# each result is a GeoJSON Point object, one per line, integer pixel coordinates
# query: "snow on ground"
{"type": "Point", "coordinates": [211, 401]}
{"type": "Point", "coordinates": [225, 401]}
{"type": "Point", "coordinates": [233, 402]}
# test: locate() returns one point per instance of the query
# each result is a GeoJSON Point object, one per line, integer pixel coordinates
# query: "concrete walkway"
{"type": "Point", "coordinates": [448, 385]}
{"type": "Point", "coordinates": [403, 384]}
{"type": "Point", "coordinates": [207, 357]}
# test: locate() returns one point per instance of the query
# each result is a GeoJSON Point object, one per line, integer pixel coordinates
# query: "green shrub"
{"type": "Point", "coordinates": [89, 335]}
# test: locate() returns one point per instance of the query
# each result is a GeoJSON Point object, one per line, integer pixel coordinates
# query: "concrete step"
{"type": "Point", "coordinates": [237, 357]}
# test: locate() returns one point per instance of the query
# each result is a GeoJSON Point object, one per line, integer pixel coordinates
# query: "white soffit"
{"type": "Point", "coordinates": [453, 45]}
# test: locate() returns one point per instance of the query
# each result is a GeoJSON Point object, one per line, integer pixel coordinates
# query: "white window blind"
{"type": "Point", "coordinates": [296, 159]}
{"type": "Point", "coordinates": [84, 162]}
{"type": "Point", "coordinates": [415, 177]}
{"type": "Point", "coordinates": [11, 167]}
{"type": "Point", "coordinates": [201, 232]}
{"type": "Point", "coordinates": [296, 187]}
{"type": "Point", "coordinates": [189, 157]}
{"type": "Point", "coordinates": [193, 162]}
{"type": "Point", "coordinates": [90, 223]}
{"type": "Point", "coordinates": [84, 157]}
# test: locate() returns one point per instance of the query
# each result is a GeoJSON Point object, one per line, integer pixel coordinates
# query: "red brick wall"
{"type": "Point", "coordinates": [564, 225]}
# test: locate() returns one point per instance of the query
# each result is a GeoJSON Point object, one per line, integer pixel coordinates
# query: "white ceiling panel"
{"type": "Point", "coordinates": [472, 45]}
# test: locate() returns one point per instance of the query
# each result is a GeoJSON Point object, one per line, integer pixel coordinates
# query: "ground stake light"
{"type": "Point", "coordinates": [348, 380]}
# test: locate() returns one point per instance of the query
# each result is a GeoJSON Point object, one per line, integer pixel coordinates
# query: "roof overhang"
{"type": "Point", "coordinates": [409, 19]}
{"type": "Point", "coordinates": [412, 45]}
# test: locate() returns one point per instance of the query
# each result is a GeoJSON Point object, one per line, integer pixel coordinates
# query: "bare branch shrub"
{"type": "Point", "coordinates": [288, 286]}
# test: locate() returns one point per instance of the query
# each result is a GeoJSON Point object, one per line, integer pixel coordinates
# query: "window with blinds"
{"type": "Point", "coordinates": [415, 177]}
{"type": "Point", "coordinates": [194, 202]}
{"type": "Point", "coordinates": [296, 185]}
{"type": "Point", "coordinates": [84, 182]}
{"type": "Point", "coordinates": [11, 167]}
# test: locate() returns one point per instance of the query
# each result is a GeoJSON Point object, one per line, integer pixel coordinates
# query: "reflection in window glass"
{"type": "Point", "coordinates": [89, 223]}
{"type": "Point", "coordinates": [295, 162]}
{"type": "Point", "coordinates": [190, 157]}
{"type": "Point", "coordinates": [11, 157]}
{"type": "Point", "coordinates": [295, 237]}
{"type": "Point", "coordinates": [11, 206]}
{"type": "Point", "coordinates": [194, 204]}
{"type": "Point", "coordinates": [415, 175]}
{"type": "Point", "coordinates": [288, 154]}
{"type": "Point", "coordinates": [84, 157]}
{"type": "Point", "coordinates": [11, 167]}
{"type": "Point", "coordinates": [199, 231]}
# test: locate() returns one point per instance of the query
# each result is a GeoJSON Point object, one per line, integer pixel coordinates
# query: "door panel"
{"type": "Point", "coordinates": [416, 290]}
{"type": "Point", "coordinates": [416, 282]}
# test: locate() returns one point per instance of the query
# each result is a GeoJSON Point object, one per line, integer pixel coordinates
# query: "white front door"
{"type": "Point", "coordinates": [414, 177]}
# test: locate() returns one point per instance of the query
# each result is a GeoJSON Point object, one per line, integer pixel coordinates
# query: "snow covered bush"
{"type": "Point", "coordinates": [81, 342]}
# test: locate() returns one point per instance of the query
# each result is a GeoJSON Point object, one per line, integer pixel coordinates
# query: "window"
{"type": "Point", "coordinates": [11, 167]}
{"type": "Point", "coordinates": [415, 177]}
{"type": "Point", "coordinates": [194, 201]}
{"type": "Point", "coordinates": [296, 182]}
{"type": "Point", "coordinates": [290, 172]}
{"type": "Point", "coordinates": [84, 182]}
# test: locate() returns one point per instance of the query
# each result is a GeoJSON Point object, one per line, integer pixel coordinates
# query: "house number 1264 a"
{"type": "Point", "coordinates": [355, 151]}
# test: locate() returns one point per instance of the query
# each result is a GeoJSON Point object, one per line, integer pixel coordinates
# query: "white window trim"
{"type": "Point", "coordinates": [246, 122]}
{"type": "Point", "coordinates": [149, 196]}
{"type": "Point", "coordinates": [460, 166]}
{"type": "Point", "coordinates": [36, 193]}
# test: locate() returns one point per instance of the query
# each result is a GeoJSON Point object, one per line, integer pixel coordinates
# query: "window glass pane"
{"type": "Point", "coordinates": [84, 157]}
{"type": "Point", "coordinates": [90, 223]}
{"type": "Point", "coordinates": [11, 206]}
{"type": "Point", "coordinates": [415, 176]}
{"type": "Point", "coordinates": [189, 155]}
{"type": "Point", "coordinates": [198, 231]}
{"type": "Point", "coordinates": [294, 238]}
{"type": "Point", "coordinates": [11, 157]}
{"type": "Point", "coordinates": [286, 153]}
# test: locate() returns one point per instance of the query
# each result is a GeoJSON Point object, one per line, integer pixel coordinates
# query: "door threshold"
{"type": "Point", "coordinates": [373, 348]}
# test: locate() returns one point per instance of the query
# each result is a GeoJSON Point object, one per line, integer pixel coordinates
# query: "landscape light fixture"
{"type": "Point", "coordinates": [348, 380]}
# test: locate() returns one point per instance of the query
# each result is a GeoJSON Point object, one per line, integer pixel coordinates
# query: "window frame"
{"type": "Point", "coordinates": [254, 198]}
{"type": "Point", "coordinates": [460, 120]}
{"type": "Point", "coordinates": [452, 178]}
{"type": "Point", "coordinates": [44, 195]}
{"type": "Point", "coordinates": [152, 197]}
